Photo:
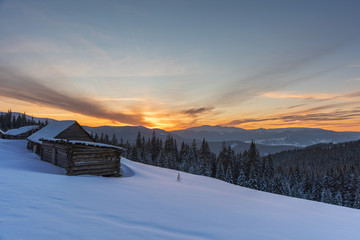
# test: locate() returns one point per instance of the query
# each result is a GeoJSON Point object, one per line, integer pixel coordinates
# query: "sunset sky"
{"type": "Point", "coordinates": [175, 64]}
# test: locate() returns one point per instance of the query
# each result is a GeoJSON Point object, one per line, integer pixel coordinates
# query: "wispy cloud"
{"type": "Point", "coordinates": [248, 120]}
{"type": "Point", "coordinates": [293, 95]}
{"type": "Point", "coordinates": [25, 88]}
{"type": "Point", "coordinates": [196, 111]}
{"type": "Point", "coordinates": [280, 74]}
{"type": "Point", "coordinates": [110, 99]}
{"type": "Point", "coordinates": [316, 116]}
{"type": "Point", "coordinates": [314, 98]}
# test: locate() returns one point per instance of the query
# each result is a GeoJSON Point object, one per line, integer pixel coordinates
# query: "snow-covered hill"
{"type": "Point", "coordinates": [37, 201]}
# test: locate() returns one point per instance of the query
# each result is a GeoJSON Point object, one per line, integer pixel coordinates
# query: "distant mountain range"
{"type": "Point", "coordinates": [267, 140]}
{"type": "Point", "coordinates": [300, 137]}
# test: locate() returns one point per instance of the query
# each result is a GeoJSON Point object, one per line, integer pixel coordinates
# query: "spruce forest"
{"type": "Point", "coordinates": [326, 172]}
{"type": "Point", "coordinates": [10, 120]}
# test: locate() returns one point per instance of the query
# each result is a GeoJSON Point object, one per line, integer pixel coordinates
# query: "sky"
{"type": "Point", "coordinates": [176, 64]}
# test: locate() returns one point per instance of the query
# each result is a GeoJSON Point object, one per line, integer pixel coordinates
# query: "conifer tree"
{"type": "Point", "coordinates": [220, 171]}
{"type": "Point", "coordinates": [241, 178]}
{"type": "Point", "coordinates": [338, 198]}
{"type": "Point", "coordinates": [205, 156]}
{"type": "Point", "coordinates": [229, 175]}
{"type": "Point", "coordinates": [114, 140]}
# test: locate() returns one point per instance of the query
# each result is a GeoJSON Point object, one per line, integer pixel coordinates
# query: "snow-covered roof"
{"type": "Point", "coordinates": [83, 143]}
{"type": "Point", "coordinates": [50, 131]}
{"type": "Point", "coordinates": [18, 131]}
{"type": "Point", "coordinates": [1, 131]}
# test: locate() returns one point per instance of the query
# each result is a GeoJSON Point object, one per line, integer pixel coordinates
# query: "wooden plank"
{"type": "Point", "coordinates": [108, 164]}
{"type": "Point", "coordinates": [90, 151]}
{"type": "Point", "coordinates": [94, 168]}
{"type": "Point", "coordinates": [97, 156]}
{"type": "Point", "coordinates": [100, 156]}
{"type": "Point", "coordinates": [95, 159]}
{"type": "Point", "coordinates": [98, 173]}
{"type": "Point", "coordinates": [95, 163]}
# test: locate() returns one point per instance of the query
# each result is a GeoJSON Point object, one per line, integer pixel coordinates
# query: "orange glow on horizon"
{"type": "Point", "coordinates": [172, 125]}
{"type": "Point", "coordinates": [177, 121]}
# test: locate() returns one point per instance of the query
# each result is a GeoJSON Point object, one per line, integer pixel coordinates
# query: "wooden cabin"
{"type": "Point", "coordinates": [20, 133]}
{"type": "Point", "coordinates": [1, 133]}
{"type": "Point", "coordinates": [68, 130]}
{"type": "Point", "coordinates": [79, 157]}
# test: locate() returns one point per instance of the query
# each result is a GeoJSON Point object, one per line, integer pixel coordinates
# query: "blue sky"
{"type": "Point", "coordinates": [176, 64]}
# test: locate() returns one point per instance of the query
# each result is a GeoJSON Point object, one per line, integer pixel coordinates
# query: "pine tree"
{"type": "Point", "coordinates": [193, 158]}
{"type": "Point", "coordinates": [252, 180]}
{"type": "Point", "coordinates": [96, 138]}
{"type": "Point", "coordinates": [155, 147]}
{"type": "Point", "coordinates": [114, 140]}
{"type": "Point", "coordinates": [184, 157]}
{"type": "Point", "coordinates": [106, 139]}
{"type": "Point", "coordinates": [316, 190]}
{"type": "Point", "coordinates": [205, 159]}
{"type": "Point", "coordinates": [268, 167]}
{"type": "Point", "coordinates": [138, 141]}
{"type": "Point", "coordinates": [220, 171]}
{"type": "Point", "coordinates": [325, 196]}
{"type": "Point", "coordinates": [241, 178]}
{"type": "Point", "coordinates": [357, 200]}
{"type": "Point", "coordinates": [229, 175]}
{"type": "Point", "coordinates": [211, 166]}
{"type": "Point", "coordinates": [162, 162]}
{"type": "Point", "coordinates": [338, 198]}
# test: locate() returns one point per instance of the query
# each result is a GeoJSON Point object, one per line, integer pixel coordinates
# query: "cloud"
{"type": "Point", "coordinates": [196, 111]}
{"type": "Point", "coordinates": [289, 95]}
{"type": "Point", "coordinates": [352, 95]}
{"type": "Point", "coordinates": [279, 74]}
{"type": "Point", "coordinates": [21, 87]}
{"type": "Point", "coordinates": [248, 120]}
{"type": "Point", "coordinates": [258, 84]}
{"type": "Point", "coordinates": [318, 117]}
{"type": "Point", "coordinates": [297, 105]}
{"type": "Point", "coordinates": [309, 115]}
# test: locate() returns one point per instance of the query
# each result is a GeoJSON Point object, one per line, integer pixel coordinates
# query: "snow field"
{"type": "Point", "coordinates": [37, 201]}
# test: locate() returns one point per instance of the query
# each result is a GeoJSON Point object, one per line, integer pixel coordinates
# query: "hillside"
{"type": "Point", "coordinates": [129, 133]}
{"type": "Point", "coordinates": [267, 140]}
{"type": "Point", "coordinates": [299, 137]}
{"type": "Point", "coordinates": [39, 202]}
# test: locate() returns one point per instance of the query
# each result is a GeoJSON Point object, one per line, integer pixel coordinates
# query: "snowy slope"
{"type": "Point", "coordinates": [37, 201]}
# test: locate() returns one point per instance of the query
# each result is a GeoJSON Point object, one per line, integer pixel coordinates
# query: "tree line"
{"type": "Point", "coordinates": [10, 121]}
{"type": "Point", "coordinates": [326, 173]}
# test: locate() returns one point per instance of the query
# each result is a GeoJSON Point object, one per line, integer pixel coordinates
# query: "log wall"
{"type": "Point", "coordinates": [80, 159]}
{"type": "Point", "coordinates": [35, 147]}
{"type": "Point", "coordinates": [55, 153]}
